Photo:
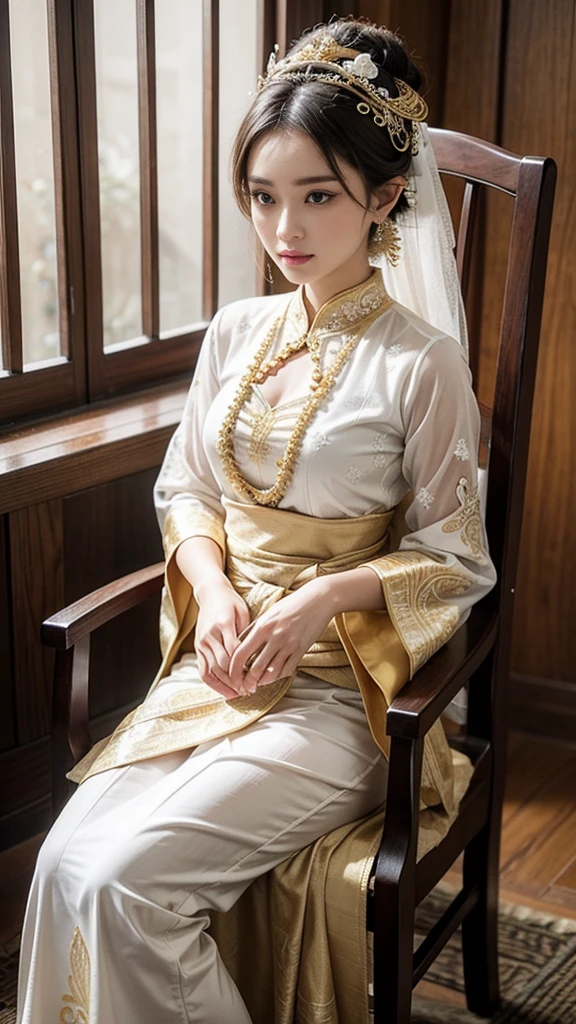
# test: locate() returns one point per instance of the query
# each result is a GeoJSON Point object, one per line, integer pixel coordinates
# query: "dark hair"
{"type": "Point", "coordinates": [328, 114]}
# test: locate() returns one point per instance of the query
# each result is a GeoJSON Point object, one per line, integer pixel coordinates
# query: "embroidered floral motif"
{"type": "Point", "coordinates": [424, 497]}
{"type": "Point", "coordinates": [420, 599]}
{"type": "Point", "coordinates": [78, 999]}
{"type": "Point", "coordinates": [318, 440]}
{"type": "Point", "coordinates": [393, 352]}
{"type": "Point", "coordinates": [353, 474]}
{"type": "Point", "coordinates": [379, 460]}
{"type": "Point", "coordinates": [243, 326]}
{"type": "Point", "coordinates": [461, 451]}
{"type": "Point", "coordinates": [379, 442]}
{"type": "Point", "coordinates": [353, 404]}
{"type": "Point", "coordinates": [468, 520]}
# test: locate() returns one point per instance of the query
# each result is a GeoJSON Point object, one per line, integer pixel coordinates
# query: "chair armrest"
{"type": "Point", "coordinates": [66, 627]}
{"type": "Point", "coordinates": [421, 701]}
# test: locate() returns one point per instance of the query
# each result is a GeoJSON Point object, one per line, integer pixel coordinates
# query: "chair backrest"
{"type": "Point", "coordinates": [531, 181]}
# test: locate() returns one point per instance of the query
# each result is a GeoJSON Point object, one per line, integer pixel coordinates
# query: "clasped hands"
{"type": "Point", "coordinates": [236, 656]}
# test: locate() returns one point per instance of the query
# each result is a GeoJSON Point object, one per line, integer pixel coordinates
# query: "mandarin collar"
{"type": "Point", "coordinates": [344, 310]}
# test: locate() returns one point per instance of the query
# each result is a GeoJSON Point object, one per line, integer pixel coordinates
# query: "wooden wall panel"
{"type": "Point", "coordinates": [425, 27]}
{"type": "Point", "coordinates": [37, 591]}
{"type": "Point", "coordinates": [111, 530]}
{"type": "Point", "coordinates": [542, 38]}
{"type": "Point", "coordinates": [7, 720]}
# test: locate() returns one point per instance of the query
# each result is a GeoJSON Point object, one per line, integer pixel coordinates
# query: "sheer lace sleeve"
{"type": "Point", "coordinates": [186, 494]}
{"type": "Point", "coordinates": [442, 566]}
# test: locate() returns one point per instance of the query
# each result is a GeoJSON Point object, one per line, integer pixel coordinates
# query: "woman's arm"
{"type": "Point", "coordinates": [190, 513]}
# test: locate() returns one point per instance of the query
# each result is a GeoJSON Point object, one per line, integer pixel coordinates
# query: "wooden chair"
{"type": "Point", "coordinates": [478, 654]}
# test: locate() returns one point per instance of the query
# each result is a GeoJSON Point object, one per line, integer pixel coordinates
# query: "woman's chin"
{"type": "Point", "coordinates": [298, 274]}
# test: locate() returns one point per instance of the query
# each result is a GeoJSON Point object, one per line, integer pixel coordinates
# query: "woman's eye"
{"type": "Point", "coordinates": [262, 198]}
{"type": "Point", "coordinates": [319, 198]}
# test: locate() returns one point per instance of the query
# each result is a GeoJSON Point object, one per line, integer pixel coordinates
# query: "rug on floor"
{"type": "Point", "coordinates": [537, 969]}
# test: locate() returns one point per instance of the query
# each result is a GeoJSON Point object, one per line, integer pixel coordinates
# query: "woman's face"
{"type": "Point", "coordinates": [299, 207]}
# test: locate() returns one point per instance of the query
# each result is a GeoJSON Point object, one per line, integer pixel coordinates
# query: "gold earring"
{"type": "Point", "coordinates": [386, 242]}
{"type": "Point", "coordinates": [268, 273]}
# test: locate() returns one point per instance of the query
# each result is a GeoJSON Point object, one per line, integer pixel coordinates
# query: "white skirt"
{"type": "Point", "coordinates": [115, 928]}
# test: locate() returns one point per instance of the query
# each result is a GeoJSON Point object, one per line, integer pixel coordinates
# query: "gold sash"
{"type": "Point", "coordinates": [269, 553]}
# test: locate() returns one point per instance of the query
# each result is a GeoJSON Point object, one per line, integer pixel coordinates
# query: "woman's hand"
{"type": "Point", "coordinates": [280, 636]}
{"type": "Point", "coordinates": [222, 615]}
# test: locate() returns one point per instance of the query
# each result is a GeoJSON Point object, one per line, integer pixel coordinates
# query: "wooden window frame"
{"type": "Point", "coordinates": [85, 372]}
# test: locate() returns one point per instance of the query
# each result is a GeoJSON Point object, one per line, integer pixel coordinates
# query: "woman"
{"type": "Point", "coordinates": [289, 619]}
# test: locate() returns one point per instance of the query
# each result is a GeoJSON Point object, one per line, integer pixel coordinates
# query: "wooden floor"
{"type": "Point", "coordinates": [538, 863]}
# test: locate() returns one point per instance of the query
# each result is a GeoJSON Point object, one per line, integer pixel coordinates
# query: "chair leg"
{"type": "Point", "coordinates": [393, 958]}
{"type": "Point", "coordinates": [480, 927]}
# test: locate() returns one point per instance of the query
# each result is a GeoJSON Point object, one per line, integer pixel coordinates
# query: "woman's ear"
{"type": "Point", "coordinates": [387, 195]}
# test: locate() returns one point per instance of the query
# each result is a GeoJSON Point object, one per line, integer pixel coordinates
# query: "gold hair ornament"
{"type": "Point", "coordinates": [354, 75]}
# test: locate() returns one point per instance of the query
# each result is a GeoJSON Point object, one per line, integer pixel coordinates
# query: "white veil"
{"type": "Point", "coordinates": [426, 279]}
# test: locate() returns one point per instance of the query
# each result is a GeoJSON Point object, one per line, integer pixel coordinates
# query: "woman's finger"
{"type": "Point", "coordinates": [270, 673]}
{"type": "Point", "coordinates": [242, 615]}
{"type": "Point", "coordinates": [217, 659]}
{"type": "Point", "coordinates": [211, 680]}
{"type": "Point", "coordinates": [230, 641]}
{"type": "Point", "coordinates": [258, 664]}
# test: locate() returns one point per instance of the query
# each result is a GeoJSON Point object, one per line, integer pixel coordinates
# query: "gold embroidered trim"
{"type": "Point", "coordinates": [417, 589]}
{"type": "Point", "coordinates": [183, 522]}
{"type": "Point", "coordinates": [262, 426]}
{"type": "Point", "coordinates": [345, 310]}
{"type": "Point", "coordinates": [78, 999]}
{"type": "Point", "coordinates": [468, 520]}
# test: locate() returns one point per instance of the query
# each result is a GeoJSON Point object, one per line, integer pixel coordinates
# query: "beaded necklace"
{"type": "Point", "coordinates": [373, 301]}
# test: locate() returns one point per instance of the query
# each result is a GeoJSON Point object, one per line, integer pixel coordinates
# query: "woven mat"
{"type": "Point", "coordinates": [537, 970]}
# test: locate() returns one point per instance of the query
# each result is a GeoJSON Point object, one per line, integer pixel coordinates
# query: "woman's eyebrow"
{"type": "Point", "coordinates": [315, 180]}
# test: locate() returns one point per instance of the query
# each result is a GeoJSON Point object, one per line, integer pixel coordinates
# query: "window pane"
{"type": "Point", "coordinates": [35, 180]}
{"type": "Point", "coordinates": [117, 100]}
{"type": "Point", "coordinates": [179, 108]}
{"type": "Point", "coordinates": [238, 34]}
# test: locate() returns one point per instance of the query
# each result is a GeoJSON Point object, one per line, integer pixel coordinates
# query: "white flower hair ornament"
{"type": "Point", "coordinates": [363, 66]}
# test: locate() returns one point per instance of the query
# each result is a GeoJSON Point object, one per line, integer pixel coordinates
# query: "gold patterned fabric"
{"type": "Point", "coordinates": [76, 1009]}
{"type": "Point", "coordinates": [306, 918]}
{"type": "Point", "coordinates": [270, 553]}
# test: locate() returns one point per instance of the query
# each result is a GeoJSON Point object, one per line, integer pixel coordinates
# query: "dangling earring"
{"type": "Point", "coordinates": [386, 242]}
{"type": "Point", "coordinates": [268, 272]}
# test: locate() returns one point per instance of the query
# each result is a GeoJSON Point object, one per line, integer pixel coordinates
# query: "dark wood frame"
{"type": "Point", "coordinates": [62, 381]}
{"type": "Point", "coordinates": [85, 372]}
{"type": "Point", "coordinates": [477, 654]}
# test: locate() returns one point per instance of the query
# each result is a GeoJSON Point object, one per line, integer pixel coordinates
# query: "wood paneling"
{"type": "Point", "coordinates": [541, 37]}
{"type": "Point", "coordinates": [7, 721]}
{"type": "Point", "coordinates": [109, 531]}
{"type": "Point", "coordinates": [472, 94]}
{"type": "Point", "coordinates": [37, 591]}
{"type": "Point", "coordinates": [425, 27]}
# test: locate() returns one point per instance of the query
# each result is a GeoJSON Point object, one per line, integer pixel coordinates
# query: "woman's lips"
{"type": "Point", "coordinates": [295, 261]}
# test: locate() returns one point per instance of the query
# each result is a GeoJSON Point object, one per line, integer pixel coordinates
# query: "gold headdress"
{"type": "Point", "coordinates": [355, 74]}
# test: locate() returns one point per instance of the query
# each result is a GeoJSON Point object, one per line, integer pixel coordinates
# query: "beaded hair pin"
{"type": "Point", "coordinates": [355, 75]}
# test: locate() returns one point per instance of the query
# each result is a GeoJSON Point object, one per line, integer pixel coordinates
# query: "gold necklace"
{"type": "Point", "coordinates": [320, 386]}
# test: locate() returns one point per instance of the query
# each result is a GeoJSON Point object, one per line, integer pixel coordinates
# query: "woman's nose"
{"type": "Point", "coordinates": [288, 227]}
